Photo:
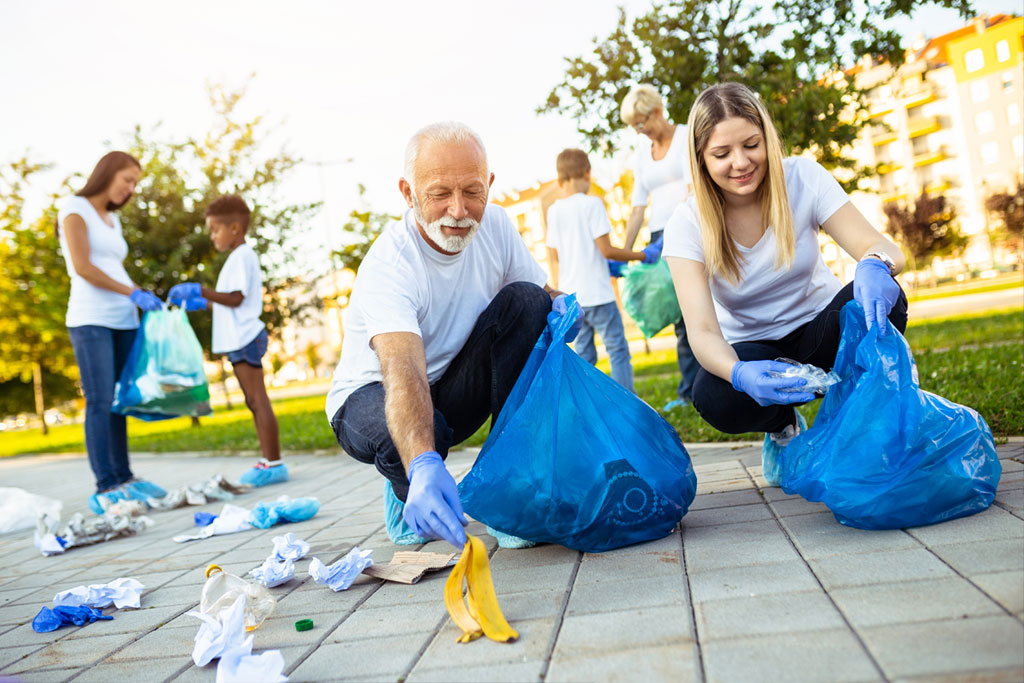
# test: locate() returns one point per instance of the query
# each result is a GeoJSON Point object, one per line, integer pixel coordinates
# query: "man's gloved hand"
{"type": "Point", "coordinates": [754, 378]}
{"type": "Point", "coordinates": [876, 291]}
{"type": "Point", "coordinates": [559, 307]}
{"type": "Point", "coordinates": [615, 267]}
{"type": "Point", "coordinates": [146, 300]}
{"type": "Point", "coordinates": [433, 508]}
{"type": "Point", "coordinates": [183, 292]}
{"type": "Point", "coordinates": [652, 252]}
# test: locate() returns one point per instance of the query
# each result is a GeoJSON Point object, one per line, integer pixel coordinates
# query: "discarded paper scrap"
{"type": "Point", "coordinates": [409, 566]}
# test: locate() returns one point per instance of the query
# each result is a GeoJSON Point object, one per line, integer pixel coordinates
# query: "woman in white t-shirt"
{"type": "Point", "coordinates": [749, 274]}
{"type": "Point", "coordinates": [102, 319]}
{"type": "Point", "coordinates": [661, 179]}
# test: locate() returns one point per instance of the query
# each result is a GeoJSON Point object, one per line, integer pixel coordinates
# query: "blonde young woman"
{"type": "Point", "coordinates": [748, 270]}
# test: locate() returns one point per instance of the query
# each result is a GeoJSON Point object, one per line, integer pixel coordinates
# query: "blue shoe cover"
{"type": "Point", "coordinates": [140, 489]}
{"type": "Point", "coordinates": [399, 532]}
{"type": "Point", "coordinates": [99, 502]}
{"type": "Point", "coordinates": [263, 474]}
{"type": "Point", "coordinates": [770, 453]}
{"type": "Point", "coordinates": [677, 403]}
{"type": "Point", "coordinates": [510, 541]}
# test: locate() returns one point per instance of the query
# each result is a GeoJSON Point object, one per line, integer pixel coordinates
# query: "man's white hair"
{"type": "Point", "coordinates": [442, 132]}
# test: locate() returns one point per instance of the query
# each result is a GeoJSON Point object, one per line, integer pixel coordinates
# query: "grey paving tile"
{"type": "Point", "coordinates": [993, 523]}
{"type": "Point", "coordinates": [833, 655]}
{"type": "Point", "coordinates": [527, 605]}
{"type": "Point", "coordinates": [359, 659]}
{"type": "Point", "coordinates": [912, 601]}
{"type": "Point", "coordinates": [162, 642]}
{"type": "Point", "coordinates": [537, 556]}
{"type": "Point", "coordinates": [983, 556]}
{"type": "Point", "coordinates": [9, 656]}
{"type": "Point", "coordinates": [721, 500]}
{"type": "Point", "coordinates": [626, 629]}
{"type": "Point", "coordinates": [947, 647]}
{"type": "Point", "coordinates": [728, 515]}
{"type": "Point", "coordinates": [821, 535]}
{"type": "Point", "coordinates": [797, 506]}
{"type": "Point", "coordinates": [735, 545]}
{"type": "Point", "coordinates": [751, 580]}
{"type": "Point", "coordinates": [153, 669]}
{"type": "Point", "coordinates": [836, 571]}
{"type": "Point", "coordinates": [79, 652]}
{"type": "Point", "coordinates": [1006, 588]}
{"type": "Point", "coordinates": [624, 594]}
{"type": "Point", "coordinates": [766, 614]}
{"type": "Point", "coordinates": [544, 577]}
{"type": "Point", "coordinates": [445, 652]}
{"type": "Point", "coordinates": [510, 672]}
{"type": "Point", "coordinates": [677, 663]}
{"type": "Point", "coordinates": [48, 675]}
{"type": "Point", "coordinates": [397, 620]}
{"type": "Point", "coordinates": [606, 567]}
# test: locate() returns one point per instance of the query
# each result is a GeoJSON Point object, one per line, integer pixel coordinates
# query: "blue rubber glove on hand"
{"type": "Point", "coordinates": [432, 508]}
{"type": "Point", "coordinates": [558, 307]}
{"type": "Point", "coordinates": [146, 300]}
{"type": "Point", "coordinates": [876, 291]}
{"type": "Point", "coordinates": [652, 252]}
{"type": "Point", "coordinates": [753, 377]}
{"type": "Point", "coordinates": [184, 292]}
{"type": "Point", "coordinates": [196, 303]}
{"type": "Point", "coordinates": [615, 267]}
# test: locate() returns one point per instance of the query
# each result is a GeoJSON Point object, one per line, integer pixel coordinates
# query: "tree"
{"type": "Point", "coordinates": [927, 230]}
{"type": "Point", "coordinates": [789, 52]}
{"type": "Point", "coordinates": [363, 227]}
{"type": "Point", "coordinates": [1008, 208]}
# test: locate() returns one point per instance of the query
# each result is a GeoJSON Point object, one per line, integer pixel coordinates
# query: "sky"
{"type": "Point", "coordinates": [349, 82]}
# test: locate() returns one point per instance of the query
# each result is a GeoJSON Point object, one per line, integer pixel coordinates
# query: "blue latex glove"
{"type": "Point", "coordinates": [196, 303]}
{"type": "Point", "coordinates": [432, 508]}
{"type": "Point", "coordinates": [652, 252]}
{"type": "Point", "coordinates": [876, 291]}
{"type": "Point", "coordinates": [754, 378]}
{"type": "Point", "coordinates": [183, 292]}
{"type": "Point", "coordinates": [52, 619]}
{"type": "Point", "coordinates": [146, 300]}
{"type": "Point", "coordinates": [559, 308]}
{"type": "Point", "coordinates": [615, 267]}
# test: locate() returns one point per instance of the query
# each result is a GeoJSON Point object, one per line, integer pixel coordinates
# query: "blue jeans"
{"type": "Point", "coordinates": [251, 353]}
{"type": "Point", "coordinates": [607, 321]}
{"type": "Point", "coordinates": [688, 365]}
{"type": "Point", "coordinates": [101, 354]}
{"type": "Point", "coordinates": [473, 388]}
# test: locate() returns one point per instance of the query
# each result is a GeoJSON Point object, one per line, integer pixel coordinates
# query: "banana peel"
{"type": "Point", "coordinates": [478, 613]}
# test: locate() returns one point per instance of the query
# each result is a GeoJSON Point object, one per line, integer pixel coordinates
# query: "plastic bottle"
{"type": "Point", "coordinates": [222, 589]}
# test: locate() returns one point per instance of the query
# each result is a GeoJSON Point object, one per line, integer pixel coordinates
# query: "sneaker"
{"type": "Point", "coordinates": [99, 502]}
{"type": "Point", "coordinates": [264, 474]}
{"type": "Point", "coordinates": [399, 532]}
{"type": "Point", "coordinates": [140, 489]}
{"type": "Point", "coordinates": [510, 541]}
{"type": "Point", "coordinates": [773, 445]}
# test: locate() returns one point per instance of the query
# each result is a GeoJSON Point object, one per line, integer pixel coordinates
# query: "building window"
{"type": "Point", "coordinates": [985, 122]}
{"type": "Point", "coordinates": [1018, 145]}
{"type": "Point", "coordinates": [974, 60]}
{"type": "Point", "coordinates": [1007, 80]}
{"type": "Point", "coordinates": [979, 91]}
{"type": "Point", "coordinates": [1003, 50]}
{"type": "Point", "coordinates": [990, 153]}
{"type": "Point", "coordinates": [1013, 113]}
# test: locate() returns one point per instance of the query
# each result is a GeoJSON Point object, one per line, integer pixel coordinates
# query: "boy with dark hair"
{"type": "Point", "coordinates": [578, 245]}
{"type": "Point", "coordinates": [238, 331]}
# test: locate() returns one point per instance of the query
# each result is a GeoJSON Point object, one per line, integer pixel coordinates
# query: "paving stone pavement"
{"type": "Point", "coordinates": [756, 585]}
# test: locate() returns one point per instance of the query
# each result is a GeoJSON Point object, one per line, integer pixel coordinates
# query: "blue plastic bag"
{"type": "Point", "coordinates": [266, 515]}
{"type": "Point", "coordinates": [576, 459]}
{"type": "Point", "coordinates": [163, 376]}
{"type": "Point", "coordinates": [882, 453]}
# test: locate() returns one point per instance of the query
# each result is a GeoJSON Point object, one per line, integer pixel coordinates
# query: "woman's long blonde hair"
{"type": "Point", "coordinates": [714, 105]}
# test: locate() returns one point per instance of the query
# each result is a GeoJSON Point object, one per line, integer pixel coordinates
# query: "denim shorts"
{"type": "Point", "coordinates": [251, 353]}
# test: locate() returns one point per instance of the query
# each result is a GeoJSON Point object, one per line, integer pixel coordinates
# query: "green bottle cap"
{"type": "Point", "coordinates": [303, 624]}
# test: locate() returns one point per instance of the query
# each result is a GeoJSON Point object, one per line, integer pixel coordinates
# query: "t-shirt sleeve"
{"type": "Point", "coordinates": [640, 193]}
{"type": "Point", "coordinates": [234, 276]}
{"type": "Point", "coordinates": [598, 219]}
{"type": "Point", "coordinates": [682, 234]}
{"type": "Point", "coordinates": [828, 195]}
{"type": "Point", "coordinates": [72, 206]}
{"type": "Point", "coordinates": [385, 297]}
{"type": "Point", "coordinates": [520, 264]}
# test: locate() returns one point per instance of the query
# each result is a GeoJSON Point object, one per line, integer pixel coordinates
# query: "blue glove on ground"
{"type": "Point", "coordinates": [754, 378]}
{"type": "Point", "coordinates": [652, 252]}
{"type": "Point", "coordinates": [876, 291]}
{"type": "Point", "coordinates": [183, 292]}
{"type": "Point", "coordinates": [52, 619]}
{"type": "Point", "coordinates": [615, 267]}
{"type": "Point", "coordinates": [559, 308]}
{"type": "Point", "coordinates": [146, 300]}
{"type": "Point", "coordinates": [432, 508]}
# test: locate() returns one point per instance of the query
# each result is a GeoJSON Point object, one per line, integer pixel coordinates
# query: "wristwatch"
{"type": "Point", "coordinates": [884, 258]}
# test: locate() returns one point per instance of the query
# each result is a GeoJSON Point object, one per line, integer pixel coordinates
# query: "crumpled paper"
{"type": "Point", "coordinates": [273, 573]}
{"type": "Point", "coordinates": [224, 637]}
{"type": "Point", "coordinates": [288, 547]}
{"type": "Point", "coordinates": [241, 666]}
{"type": "Point", "coordinates": [121, 593]}
{"type": "Point", "coordinates": [342, 573]}
{"type": "Point", "coordinates": [231, 519]}
{"type": "Point", "coordinates": [85, 531]}
{"type": "Point", "coordinates": [213, 489]}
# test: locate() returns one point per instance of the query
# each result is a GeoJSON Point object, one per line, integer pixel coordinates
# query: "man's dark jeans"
{"type": "Point", "coordinates": [473, 388]}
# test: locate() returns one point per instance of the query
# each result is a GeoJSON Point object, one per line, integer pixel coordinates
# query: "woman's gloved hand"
{"type": "Point", "coordinates": [146, 300]}
{"type": "Point", "coordinates": [876, 291]}
{"type": "Point", "coordinates": [755, 378]}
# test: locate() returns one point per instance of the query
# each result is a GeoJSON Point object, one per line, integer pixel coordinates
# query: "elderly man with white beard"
{"type": "Point", "coordinates": [446, 307]}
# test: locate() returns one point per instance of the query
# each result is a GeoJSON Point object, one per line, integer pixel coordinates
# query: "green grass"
{"type": "Point", "coordinates": [944, 291]}
{"type": "Point", "coordinates": [973, 359]}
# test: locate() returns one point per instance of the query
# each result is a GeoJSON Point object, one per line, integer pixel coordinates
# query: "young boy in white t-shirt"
{"type": "Point", "coordinates": [578, 246]}
{"type": "Point", "coordinates": [237, 328]}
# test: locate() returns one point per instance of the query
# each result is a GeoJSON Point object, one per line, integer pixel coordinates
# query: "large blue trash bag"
{"type": "Point", "coordinates": [576, 459]}
{"type": "Point", "coordinates": [163, 376]}
{"type": "Point", "coordinates": [882, 453]}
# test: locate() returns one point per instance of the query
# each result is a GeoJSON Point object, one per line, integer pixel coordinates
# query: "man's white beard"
{"type": "Point", "coordinates": [453, 244]}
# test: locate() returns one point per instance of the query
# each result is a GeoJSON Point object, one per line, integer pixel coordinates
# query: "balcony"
{"type": "Point", "coordinates": [937, 187]}
{"type": "Point", "coordinates": [923, 125]}
{"type": "Point", "coordinates": [916, 99]}
{"type": "Point", "coordinates": [880, 109]}
{"type": "Point", "coordinates": [893, 196]}
{"type": "Point", "coordinates": [929, 158]}
{"type": "Point", "coordinates": [883, 137]}
{"type": "Point", "coordinates": [889, 167]}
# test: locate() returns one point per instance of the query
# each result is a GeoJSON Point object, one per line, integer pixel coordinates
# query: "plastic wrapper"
{"type": "Point", "coordinates": [81, 530]}
{"type": "Point", "coordinates": [576, 459]}
{"type": "Point", "coordinates": [649, 297]}
{"type": "Point", "coordinates": [20, 510]}
{"type": "Point", "coordinates": [818, 380]}
{"type": "Point", "coordinates": [883, 453]}
{"type": "Point", "coordinates": [163, 376]}
{"type": "Point", "coordinates": [222, 589]}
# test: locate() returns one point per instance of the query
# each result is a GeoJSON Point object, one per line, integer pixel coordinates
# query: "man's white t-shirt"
{"type": "Point", "coordinates": [663, 182]}
{"type": "Point", "coordinates": [234, 327]}
{"type": "Point", "coordinates": [769, 303]}
{"type": "Point", "coordinates": [404, 285]}
{"type": "Point", "coordinates": [573, 224]}
{"type": "Point", "coordinates": [89, 304]}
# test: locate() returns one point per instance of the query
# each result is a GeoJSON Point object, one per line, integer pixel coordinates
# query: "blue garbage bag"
{"type": "Point", "coordinates": [883, 453]}
{"type": "Point", "coordinates": [576, 459]}
{"type": "Point", "coordinates": [163, 376]}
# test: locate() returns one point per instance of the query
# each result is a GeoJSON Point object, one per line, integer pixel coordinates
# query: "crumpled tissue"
{"type": "Point", "coordinates": [231, 519]}
{"type": "Point", "coordinates": [241, 666]}
{"type": "Point", "coordinates": [288, 547]}
{"type": "Point", "coordinates": [342, 573]}
{"type": "Point", "coordinates": [273, 573]}
{"type": "Point", "coordinates": [227, 640]}
{"type": "Point", "coordinates": [121, 593]}
{"type": "Point", "coordinates": [66, 615]}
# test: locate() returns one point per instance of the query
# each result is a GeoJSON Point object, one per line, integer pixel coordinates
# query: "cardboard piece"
{"type": "Point", "coordinates": [409, 566]}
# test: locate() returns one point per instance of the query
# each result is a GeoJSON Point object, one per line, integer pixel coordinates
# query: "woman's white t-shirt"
{"type": "Point", "coordinates": [768, 303]}
{"type": "Point", "coordinates": [663, 182]}
{"type": "Point", "coordinates": [236, 326]}
{"type": "Point", "coordinates": [573, 224]}
{"type": "Point", "coordinates": [89, 304]}
{"type": "Point", "coordinates": [404, 285]}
